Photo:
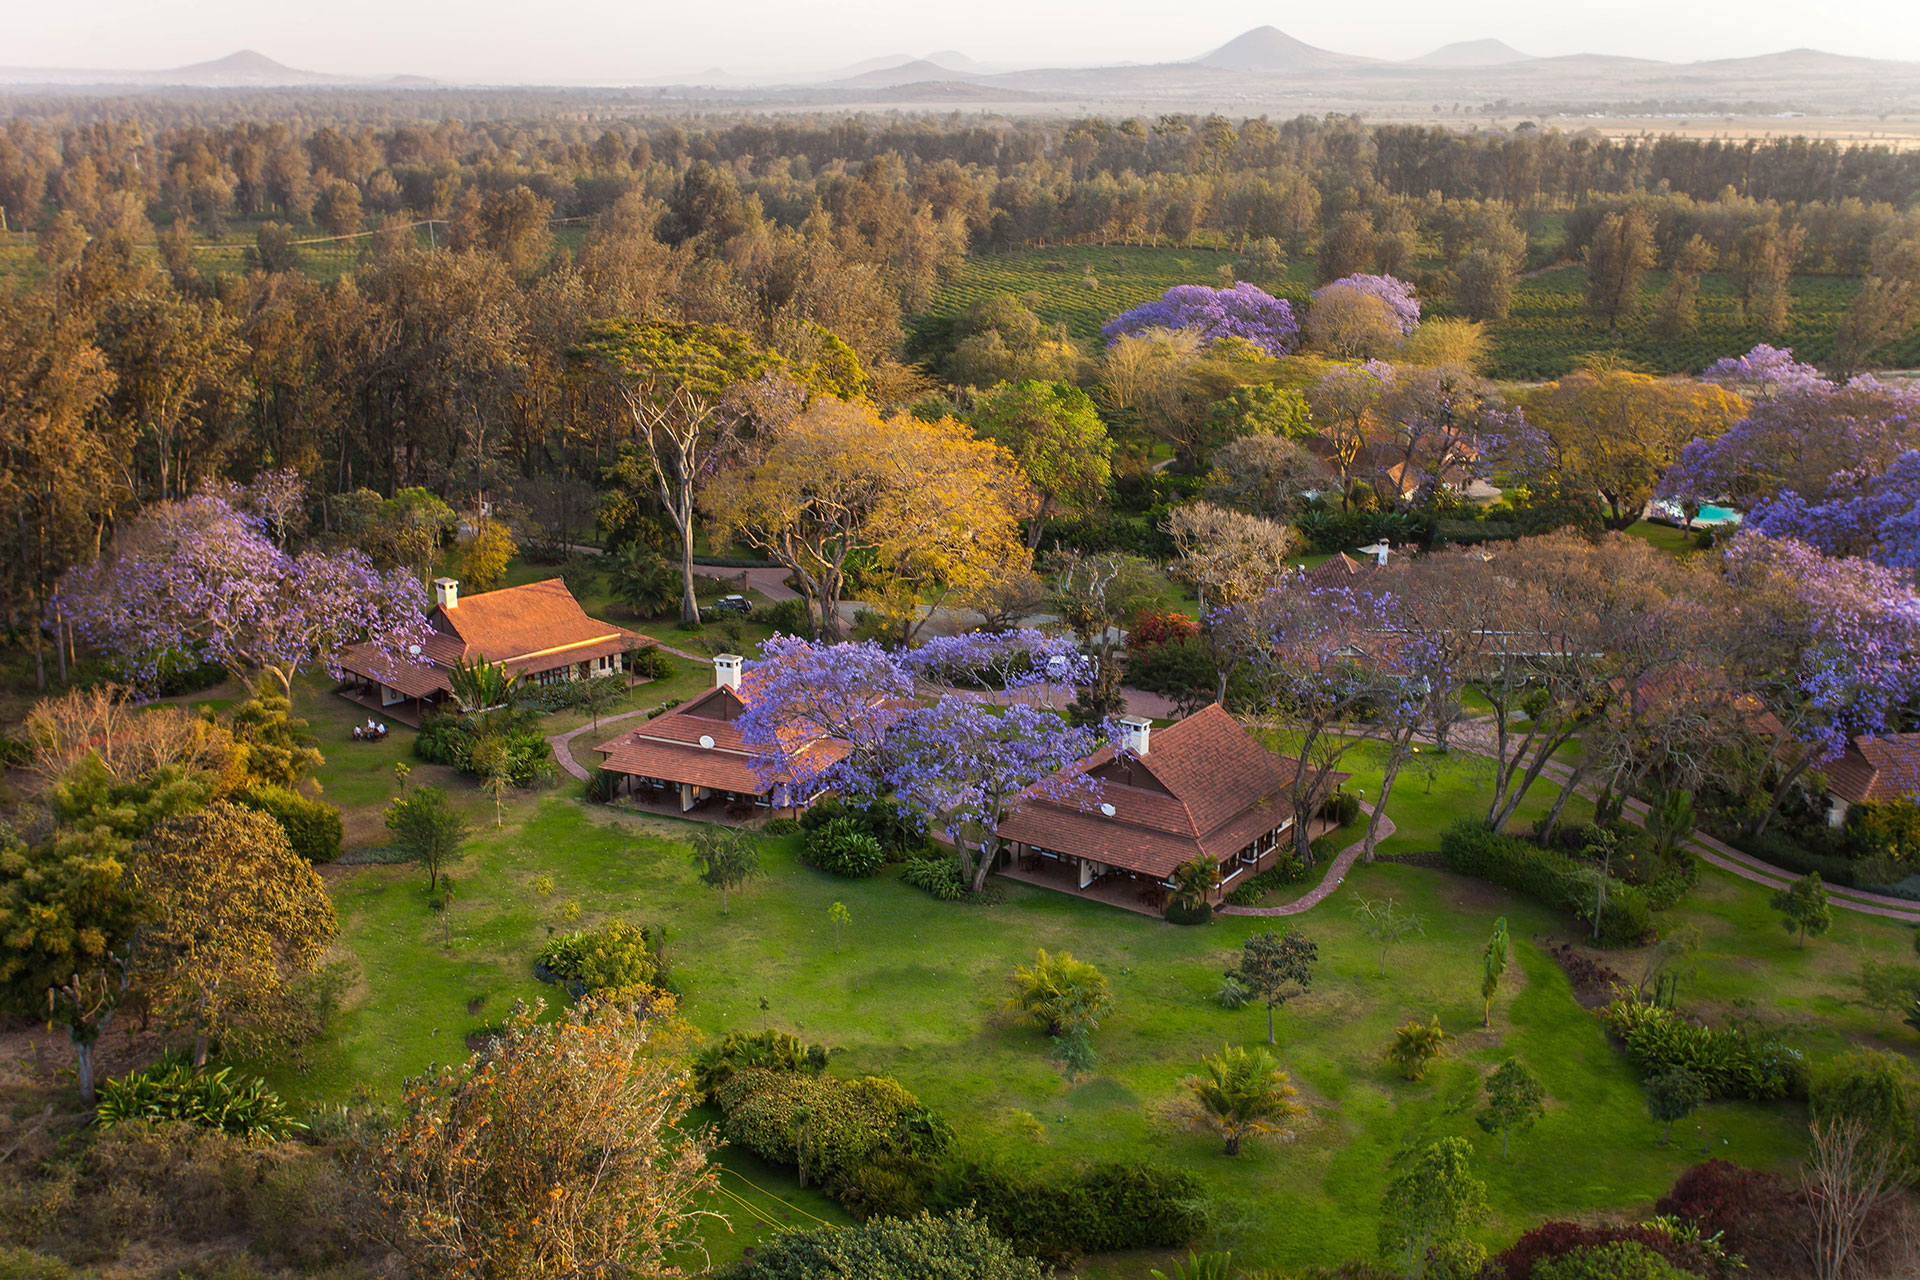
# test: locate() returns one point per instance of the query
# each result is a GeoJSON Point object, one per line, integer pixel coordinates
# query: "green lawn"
{"type": "Point", "coordinates": [915, 992]}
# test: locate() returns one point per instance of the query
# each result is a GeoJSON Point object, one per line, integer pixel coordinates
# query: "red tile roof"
{"type": "Point", "coordinates": [1204, 788]}
{"type": "Point", "coordinates": [531, 628]}
{"type": "Point", "coordinates": [1877, 770]}
{"type": "Point", "coordinates": [671, 746]}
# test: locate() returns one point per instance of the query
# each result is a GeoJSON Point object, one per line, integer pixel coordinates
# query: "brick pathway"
{"type": "Point", "coordinates": [1336, 872]}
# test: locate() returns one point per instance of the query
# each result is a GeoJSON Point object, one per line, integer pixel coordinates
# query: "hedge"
{"type": "Point", "coordinates": [313, 827]}
{"type": "Point", "coordinates": [959, 1247]}
{"type": "Point", "coordinates": [1552, 878]}
{"type": "Point", "coordinates": [1061, 1214]}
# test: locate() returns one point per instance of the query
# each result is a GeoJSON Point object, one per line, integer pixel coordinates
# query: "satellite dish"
{"type": "Point", "coordinates": [706, 742]}
{"type": "Point", "coordinates": [414, 650]}
{"type": "Point", "coordinates": [1108, 809]}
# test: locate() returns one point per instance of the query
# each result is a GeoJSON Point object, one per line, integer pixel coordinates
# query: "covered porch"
{"type": "Point", "coordinates": [1086, 875]}
{"type": "Point", "coordinates": [703, 804]}
{"type": "Point", "coordinates": [383, 702]}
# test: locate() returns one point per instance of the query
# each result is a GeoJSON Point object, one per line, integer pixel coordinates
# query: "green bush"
{"type": "Point", "coordinates": [1059, 1215]}
{"type": "Point", "coordinates": [17, 1263]}
{"type": "Point", "coordinates": [788, 617]}
{"type": "Point", "coordinates": [1871, 1087]}
{"type": "Point", "coordinates": [613, 958]}
{"type": "Point", "coordinates": [781, 827]}
{"type": "Point", "coordinates": [940, 877]}
{"type": "Point", "coordinates": [898, 833]}
{"type": "Point", "coordinates": [1188, 913]}
{"type": "Point", "coordinates": [955, 1247]}
{"type": "Point", "coordinates": [1342, 808]}
{"type": "Point", "coordinates": [767, 1050]}
{"type": "Point", "coordinates": [1734, 1062]}
{"type": "Point", "coordinates": [1550, 877]}
{"type": "Point", "coordinates": [313, 827]}
{"type": "Point", "coordinates": [1621, 1260]}
{"type": "Point", "coordinates": [1286, 870]}
{"type": "Point", "coordinates": [650, 663]}
{"type": "Point", "coordinates": [850, 1127]}
{"type": "Point", "coordinates": [842, 847]}
{"type": "Point", "coordinates": [173, 1090]}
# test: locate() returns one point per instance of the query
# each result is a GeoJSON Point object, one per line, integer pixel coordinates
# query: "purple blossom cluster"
{"type": "Point", "coordinates": [1396, 293]}
{"type": "Point", "coordinates": [1763, 372]}
{"type": "Point", "coordinates": [1840, 636]}
{"type": "Point", "coordinates": [1831, 465]}
{"type": "Point", "coordinates": [1002, 662]}
{"type": "Point", "coordinates": [1241, 311]}
{"type": "Point", "coordinates": [1874, 516]}
{"type": "Point", "coordinates": [201, 581]}
{"type": "Point", "coordinates": [958, 762]}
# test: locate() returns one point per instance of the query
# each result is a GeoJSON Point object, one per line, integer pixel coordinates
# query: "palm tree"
{"type": "Point", "coordinates": [478, 686]}
{"type": "Point", "coordinates": [1060, 993]}
{"type": "Point", "coordinates": [1243, 1094]}
{"type": "Point", "coordinates": [1415, 1045]}
{"type": "Point", "coordinates": [643, 581]}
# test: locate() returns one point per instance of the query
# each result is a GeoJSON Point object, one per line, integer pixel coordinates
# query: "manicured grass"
{"type": "Point", "coordinates": [1663, 536]}
{"type": "Point", "coordinates": [915, 991]}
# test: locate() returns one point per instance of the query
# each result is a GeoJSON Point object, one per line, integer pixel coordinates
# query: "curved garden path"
{"type": "Point", "coordinates": [1714, 852]}
{"type": "Point", "coordinates": [1336, 872]}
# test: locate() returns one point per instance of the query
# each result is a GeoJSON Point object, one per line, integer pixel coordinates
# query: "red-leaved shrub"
{"type": "Point", "coordinates": [1155, 627]}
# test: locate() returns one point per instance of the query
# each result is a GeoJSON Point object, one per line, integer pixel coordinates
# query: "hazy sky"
{"type": "Point", "coordinates": [623, 40]}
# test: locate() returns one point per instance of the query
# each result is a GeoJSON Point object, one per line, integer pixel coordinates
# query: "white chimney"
{"type": "Point", "coordinates": [726, 670]}
{"type": "Point", "coordinates": [1133, 733]}
{"type": "Point", "coordinates": [1378, 551]}
{"type": "Point", "coordinates": [446, 592]}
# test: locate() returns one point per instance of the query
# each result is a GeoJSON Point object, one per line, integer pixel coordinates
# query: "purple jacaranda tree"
{"type": "Point", "coordinates": [1240, 311]}
{"type": "Point", "coordinates": [962, 763]}
{"type": "Point", "coordinates": [1020, 665]}
{"type": "Point", "coordinates": [198, 580]}
{"type": "Point", "coordinates": [802, 695]}
{"type": "Point", "coordinates": [1396, 293]}
{"type": "Point", "coordinates": [1320, 665]}
{"type": "Point", "coordinates": [1806, 436]}
{"type": "Point", "coordinates": [1874, 517]}
{"type": "Point", "coordinates": [1828, 647]}
{"type": "Point", "coordinates": [1762, 373]}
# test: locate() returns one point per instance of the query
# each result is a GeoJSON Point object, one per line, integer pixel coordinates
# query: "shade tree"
{"type": "Point", "coordinates": [675, 381]}
{"type": "Point", "coordinates": [234, 921]}
{"type": "Point", "coordinates": [1055, 435]}
{"type": "Point", "coordinates": [1515, 1099]}
{"type": "Point", "coordinates": [196, 578]}
{"type": "Point", "coordinates": [1430, 1204]}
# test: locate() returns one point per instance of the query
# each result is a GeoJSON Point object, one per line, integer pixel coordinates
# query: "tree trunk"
{"type": "Point", "coordinates": [200, 1051]}
{"type": "Point", "coordinates": [83, 1064]}
{"type": "Point", "coordinates": [1552, 820]}
{"type": "Point", "coordinates": [1233, 1144]}
{"type": "Point", "coordinates": [689, 604]}
{"type": "Point", "coordinates": [1270, 1022]}
{"type": "Point", "coordinates": [1504, 1131]}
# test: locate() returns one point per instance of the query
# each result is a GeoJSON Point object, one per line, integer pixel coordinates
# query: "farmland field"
{"type": "Point", "coordinates": [1083, 287]}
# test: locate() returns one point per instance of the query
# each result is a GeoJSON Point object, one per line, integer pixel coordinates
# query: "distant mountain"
{"type": "Point", "coordinates": [885, 62]}
{"type": "Point", "coordinates": [961, 62]}
{"type": "Point", "coordinates": [246, 67]}
{"type": "Point", "coordinates": [1471, 53]}
{"type": "Point", "coordinates": [243, 70]}
{"type": "Point", "coordinates": [919, 71]}
{"type": "Point", "coordinates": [1271, 49]}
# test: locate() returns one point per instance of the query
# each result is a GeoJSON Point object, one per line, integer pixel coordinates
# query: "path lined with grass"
{"type": "Point", "coordinates": [1336, 873]}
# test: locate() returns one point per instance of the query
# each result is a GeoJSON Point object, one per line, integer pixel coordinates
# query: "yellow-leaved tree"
{"type": "Point", "coordinates": [558, 1150]}
{"type": "Point", "coordinates": [925, 508]}
{"type": "Point", "coordinates": [1617, 430]}
{"type": "Point", "coordinates": [235, 921]}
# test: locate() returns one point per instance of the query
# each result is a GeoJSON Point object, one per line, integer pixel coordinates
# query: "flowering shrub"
{"type": "Point", "coordinates": [1155, 627]}
{"type": "Point", "coordinates": [615, 959]}
{"type": "Point", "coordinates": [1241, 311]}
{"type": "Point", "coordinates": [1396, 293]}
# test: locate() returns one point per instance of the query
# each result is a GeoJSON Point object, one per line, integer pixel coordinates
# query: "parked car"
{"type": "Point", "coordinates": [733, 604]}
